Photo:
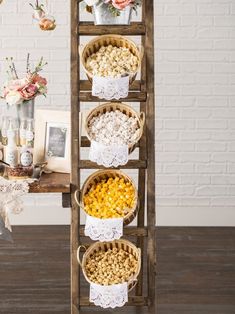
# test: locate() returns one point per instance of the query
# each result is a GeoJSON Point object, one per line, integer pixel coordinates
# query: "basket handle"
{"type": "Point", "coordinates": [135, 283]}
{"type": "Point", "coordinates": [141, 51]}
{"type": "Point", "coordinates": [135, 280]}
{"type": "Point", "coordinates": [77, 198]}
{"type": "Point", "coordinates": [142, 119]}
{"type": "Point", "coordinates": [78, 254]}
{"type": "Point", "coordinates": [80, 49]}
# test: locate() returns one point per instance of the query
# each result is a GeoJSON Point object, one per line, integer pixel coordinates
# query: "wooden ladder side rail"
{"type": "Point", "coordinates": [142, 172]}
{"type": "Point", "coordinates": [144, 95]}
{"type": "Point", "coordinates": [75, 152]}
{"type": "Point", "coordinates": [150, 125]}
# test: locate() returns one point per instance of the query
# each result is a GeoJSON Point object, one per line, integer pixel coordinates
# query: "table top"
{"type": "Point", "coordinates": [51, 183]}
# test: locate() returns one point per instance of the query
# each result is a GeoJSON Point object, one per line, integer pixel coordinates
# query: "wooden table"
{"type": "Point", "coordinates": [53, 183]}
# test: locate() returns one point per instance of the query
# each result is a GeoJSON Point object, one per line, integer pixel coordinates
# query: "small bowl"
{"type": "Point", "coordinates": [19, 172]}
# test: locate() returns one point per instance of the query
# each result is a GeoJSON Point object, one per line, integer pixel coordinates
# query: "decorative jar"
{"type": "Point", "coordinates": [103, 15]}
{"type": "Point", "coordinates": [25, 110]}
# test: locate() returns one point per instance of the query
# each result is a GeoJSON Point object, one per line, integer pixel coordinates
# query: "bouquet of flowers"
{"type": "Point", "coordinates": [115, 6]}
{"type": "Point", "coordinates": [46, 22]}
{"type": "Point", "coordinates": [18, 90]}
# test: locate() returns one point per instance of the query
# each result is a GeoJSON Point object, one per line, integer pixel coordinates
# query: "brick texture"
{"type": "Point", "coordinates": [195, 93]}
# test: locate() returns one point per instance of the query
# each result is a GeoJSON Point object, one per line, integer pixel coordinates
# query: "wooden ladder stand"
{"type": "Point", "coordinates": [143, 92]}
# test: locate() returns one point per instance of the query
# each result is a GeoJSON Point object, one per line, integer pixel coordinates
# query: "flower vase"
{"type": "Point", "coordinates": [103, 15]}
{"type": "Point", "coordinates": [38, 14]}
{"type": "Point", "coordinates": [25, 110]}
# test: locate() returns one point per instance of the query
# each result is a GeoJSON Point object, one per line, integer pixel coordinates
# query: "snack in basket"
{"type": "Point", "coordinates": [110, 198]}
{"type": "Point", "coordinates": [110, 267]}
{"type": "Point", "coordinates": [114, 127]}
{"type": "Point", "coordinates": [112, 61]}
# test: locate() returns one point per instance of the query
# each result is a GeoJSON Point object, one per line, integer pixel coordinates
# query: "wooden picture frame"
{"type": "Point", "coordinates": [52, 139]}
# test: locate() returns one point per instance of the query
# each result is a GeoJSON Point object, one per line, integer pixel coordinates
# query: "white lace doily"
{"type": "Point", "coordinates": [10, 198]}
{"type": "Point", "coordinates": [108, 156]}
{"type": "Point", "coordinates": [109, 296]}
{"type": "Point", "coordinates": [110, 87]}
{"type": "Point", "coordinates": [103, 229]}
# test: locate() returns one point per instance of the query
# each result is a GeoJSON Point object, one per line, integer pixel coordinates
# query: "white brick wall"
{"type": "Point", "coordinates": [195, 93]}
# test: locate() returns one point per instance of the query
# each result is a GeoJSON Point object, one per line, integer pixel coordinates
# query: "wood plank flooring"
{"type": "Point", "coordinates": [196, 271]}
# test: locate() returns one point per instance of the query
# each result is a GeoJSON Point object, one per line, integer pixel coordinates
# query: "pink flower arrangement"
{"type": "Point", "coordinates": [16, 90]}
{"type": "Point", "coordinates": [121, 4]}
{"type": "Point", "coordinates": [115, 6]}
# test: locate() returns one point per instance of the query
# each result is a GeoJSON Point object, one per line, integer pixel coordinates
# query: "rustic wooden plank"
{"type": "Point", "coordinates": [75, 153]}
{"type": "Point", "coordinates": [86, 143]}
{"type": "Point", "coordinates": [196, 271]}
{"type": "Point", "coordinates": [88, 28]}
{"type": "Point", "coordinates": [132, 96]}
{"type": "Point", "coordinates": [150, 131]}
{"type": "Point", "coordinates": [142, 172]}
{"type": "Point", "coordinates": [34, 271]}
{"type": "Point", "coordinates": [128, 231]}
{"type": "Point", "coordinates": [85, 85]}
{"type": "Point", "coordinates": [132, 164]}
{"type": "Point", "coordinates": [133, 301]}
{"type": "Point", "coordinates": [51, 183]}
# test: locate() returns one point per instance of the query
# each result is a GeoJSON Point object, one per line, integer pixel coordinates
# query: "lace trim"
{"type": "Point", "coordinates": [110, 88]}
{"type": "Point", "coordinates": [10, 198]}
{"type": "Point", "coordinates": [109, 296]}
{"type": "Point", "coordinates": [108, 156]}
{"type": "Point", "coordinates": [103, 229]}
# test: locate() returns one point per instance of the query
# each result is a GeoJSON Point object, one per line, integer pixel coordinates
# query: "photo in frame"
{"type": "Point", "coordinates": [52, 139]}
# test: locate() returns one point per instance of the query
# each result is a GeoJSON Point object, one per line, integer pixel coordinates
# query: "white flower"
{"type": "Point", "coordinates": [16, 84]}
{"type": "Point", "coordinates": [13, 98]}
{"type": "Point", "coordinates": [91, 2]}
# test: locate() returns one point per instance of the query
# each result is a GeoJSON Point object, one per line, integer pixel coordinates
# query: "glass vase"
{"type": "Point", "coordinates": [25, 110]}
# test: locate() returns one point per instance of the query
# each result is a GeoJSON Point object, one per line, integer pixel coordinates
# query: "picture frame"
{"type": "Point", "coordinates": [52, 139]}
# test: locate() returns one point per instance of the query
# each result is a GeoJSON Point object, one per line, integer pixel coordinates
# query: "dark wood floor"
{"type": "Point", "coordinates": [196, 271]}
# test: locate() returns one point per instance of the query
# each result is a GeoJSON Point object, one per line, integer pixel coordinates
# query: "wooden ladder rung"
{"type": "Point", "coordinates": [88, 28]}
{"type": "Point", "coordinates": [86, 143]}
{"type": "Point", "coordinates": [132, 96]}
{"type": "Point", "coordinates": [128, 231]}
{"type": "Point", "coordinates": [133, 301]}
{"type": "Point", "coordinates": [132, 164]}
{"type": "Point", "coordinates": [85, 85]}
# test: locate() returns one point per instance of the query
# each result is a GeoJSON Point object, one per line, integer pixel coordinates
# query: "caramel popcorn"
{"type": "Point", "coordinates": [111, 267]}
{"type": "Point", "coordinates": [112, 61]}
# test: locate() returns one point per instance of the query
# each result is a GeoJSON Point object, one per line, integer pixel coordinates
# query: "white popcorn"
{"type": "Point", "coordinates": [112, 61]}
{"type": "Point", "coordinates": [114, 127]}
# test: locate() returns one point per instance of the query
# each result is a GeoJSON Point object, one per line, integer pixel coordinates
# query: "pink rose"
{"type": "Point", "coordinates": [39, 79]}
{"type": "Point", "coordinates": [121, 4]}
{"type": "Point", "coordinates": [29, 91]}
